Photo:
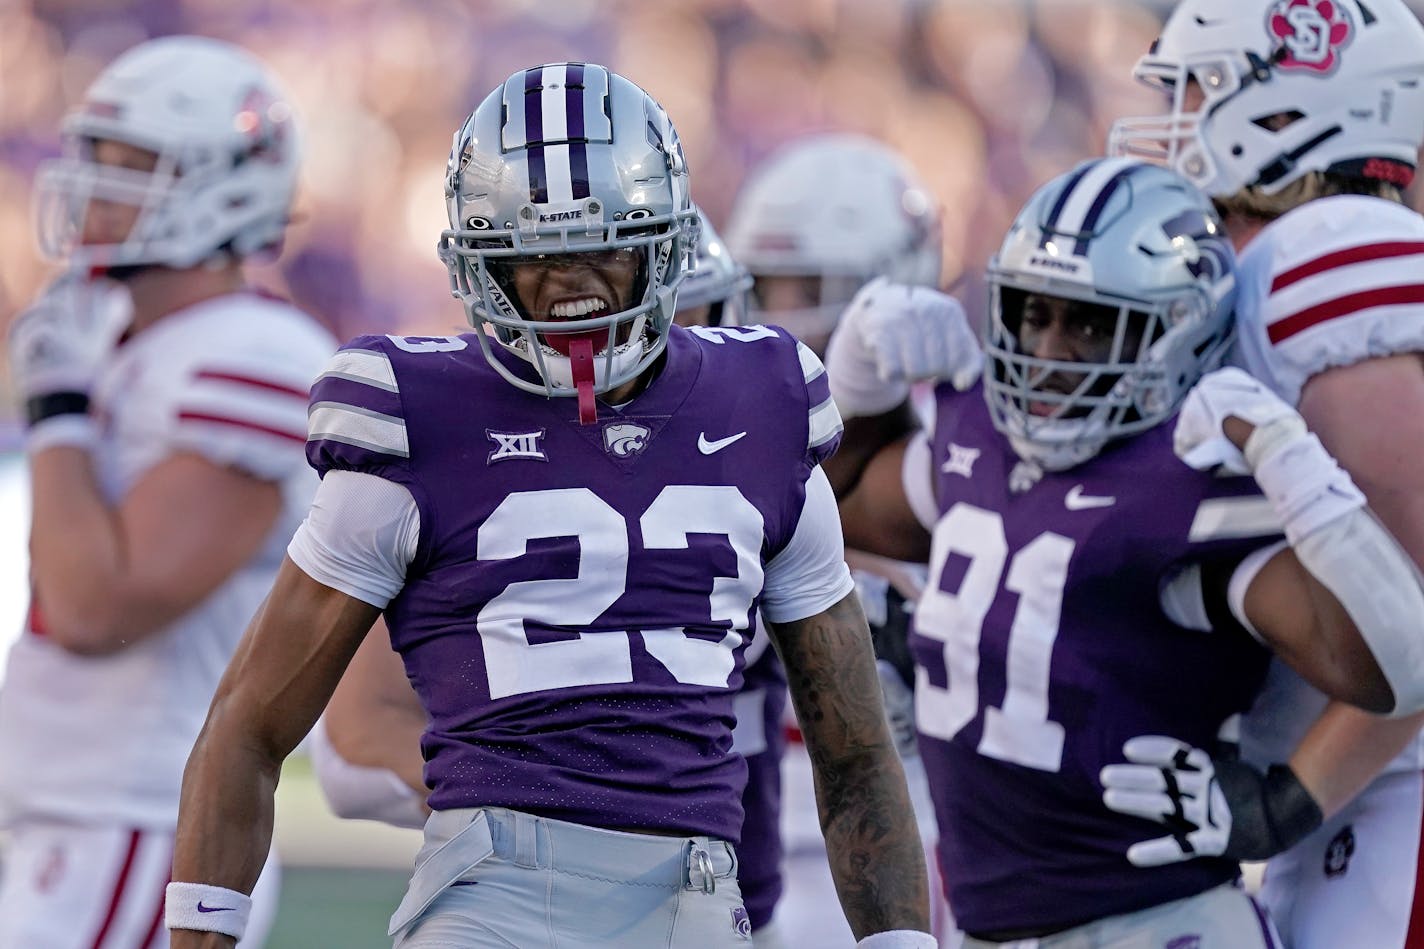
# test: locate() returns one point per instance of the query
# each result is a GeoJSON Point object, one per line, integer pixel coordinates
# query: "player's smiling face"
{"type": "Point", "coordinates": [580, 286]}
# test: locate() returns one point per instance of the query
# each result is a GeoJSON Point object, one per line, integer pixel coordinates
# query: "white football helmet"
{"type": "Point", "coordinates": [227, 152]}
{"type": "Point", "coordinates": [568, 158]}
{"type": "Point", "coordinates": [716, 280]}
{"type": "Point", "coordinates": [1287, 87]}
{"type": "Point", "coordinates": [838, 207]}
{"type": "Point", "coordinates": [1118, 233]}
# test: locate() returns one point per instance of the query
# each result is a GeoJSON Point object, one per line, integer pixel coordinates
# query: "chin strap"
{"type": "Point", "coordinates": [581, 364]}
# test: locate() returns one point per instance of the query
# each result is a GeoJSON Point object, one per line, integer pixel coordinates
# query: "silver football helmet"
{"type": "Point", "coordinates": [715, 281]}
{"type": "Point", "coordinates": [568, 158]}
{"type": "Point", "coordinates": [1122, 234]}
{"type": "Point", "coordinates": [841, 208]}
{"type": "Point", "coordinates": [1286, 87]}
{"type": "Point", "coordinates": [227, 158]}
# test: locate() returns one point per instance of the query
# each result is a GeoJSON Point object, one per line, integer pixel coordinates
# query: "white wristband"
{"type": "Point", "coordinates": [206, 908]}
{"type": "Point", "coordinates": [1306, 486]}
{"type": "Point", "coordinates": [898, 939]}
{"type": "Point", "coordinates": [69, 431]}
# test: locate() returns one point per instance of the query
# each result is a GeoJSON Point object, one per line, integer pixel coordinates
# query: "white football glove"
{"type": "Point", "coordinates": [892, 335]}
{"type": "Point", "coordinates": [1200, 440]}
{"type": "Point", "coordinates": [55, 346]}
{"type": "Point", "coordinates": [1212, 807]}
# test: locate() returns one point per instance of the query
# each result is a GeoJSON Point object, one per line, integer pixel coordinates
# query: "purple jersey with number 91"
{"type": "Point", "coordinates": [575, 615]}
{"type": "Point", "coordinates": [1041, 646]}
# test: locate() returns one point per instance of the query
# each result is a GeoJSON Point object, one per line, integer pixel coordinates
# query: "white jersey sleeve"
{"type": "Point", "coordinates": [809, 575]}
{"type": "Point", "coordinates": [1333, 282]}
{"type": "Point", "coordinates": [231, 379]}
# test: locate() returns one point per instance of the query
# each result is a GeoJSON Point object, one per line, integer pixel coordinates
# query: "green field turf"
{"type": "Point", "coordinates": [336, 908]}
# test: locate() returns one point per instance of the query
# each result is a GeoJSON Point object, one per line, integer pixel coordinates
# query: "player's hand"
{"type": "Point", "coordinates": [1232, 420]}
{"type": "Point", "coordinates": [1211, 807]}
{"type": "Point", "coordinates": [892, 335]}
{"type": "Point", "coordinates": [56, 343]}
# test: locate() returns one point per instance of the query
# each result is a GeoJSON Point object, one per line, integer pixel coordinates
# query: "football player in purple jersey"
{"type": "Point", "coordinates": [569, 518]}
{"type": "Point", "coordinates": [1303, 121]}
{"type": "Point", "coordinates": [1089, 560]}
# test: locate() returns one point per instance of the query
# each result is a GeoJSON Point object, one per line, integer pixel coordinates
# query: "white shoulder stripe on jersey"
{"type": "Point", "coordinates": [825, 423]}
{"type": "Point", "coordinates": [363, 428]}
{"type": "Point", "coordinates": [1230, 518]}
{"type": "Point", "coordinates": [364, 366]}
{"type": "Point", "coordinates": [1080, 202]}
{"type": "Point", "coordinates": [811, 367]}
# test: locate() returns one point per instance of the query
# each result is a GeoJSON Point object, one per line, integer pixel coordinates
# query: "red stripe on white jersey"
{"type": "Point", "coordinates": [192, 416]}
{"type": "Point", "coordinates": [118, 897]}
{"type": "Point", "coordinates": [267, 385]}
{"type": "Point", "coordinates": [153, 928]}
{"type": "Point", "coordinates": [1343, 258]}
{"type": "Point", "coordinates": [1343, 306]}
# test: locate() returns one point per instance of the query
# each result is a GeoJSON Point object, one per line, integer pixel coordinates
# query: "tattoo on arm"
{"type": "Point", "coordinates": [871, 836]}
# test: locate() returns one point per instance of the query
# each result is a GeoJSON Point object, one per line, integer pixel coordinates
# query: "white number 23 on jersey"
{"type": "Point", "coordinates": [516, 666]}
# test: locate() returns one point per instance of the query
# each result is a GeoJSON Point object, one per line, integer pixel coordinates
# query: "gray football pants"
{"type": "Point", "coordinates": [1224, 917]}
{"type": "Point", "coordinates": [502, 879]}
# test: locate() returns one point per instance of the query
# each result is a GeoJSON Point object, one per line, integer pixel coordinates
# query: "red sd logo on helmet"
{"type": "Point", "coordinates": [1311, 32]}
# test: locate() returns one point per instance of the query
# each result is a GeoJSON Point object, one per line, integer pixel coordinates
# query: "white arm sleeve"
{"type": "Point", "coordinates": [361, 793]}
{"type": "Point", "coordinates": [809, 575]}
{"type": "Point", "coordinates": [918, 481]}
{"type": "Point", "coordinates": [359, 536]}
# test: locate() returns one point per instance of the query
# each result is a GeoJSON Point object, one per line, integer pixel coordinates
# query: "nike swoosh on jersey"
{"type": "Point", "coordinates": [1076, 500]}
{"type": "Point", "coordinates": [712, 447]}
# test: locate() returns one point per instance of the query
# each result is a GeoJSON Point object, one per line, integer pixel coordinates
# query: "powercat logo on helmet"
{"type": "Point", "coordinates": [1311, 33]}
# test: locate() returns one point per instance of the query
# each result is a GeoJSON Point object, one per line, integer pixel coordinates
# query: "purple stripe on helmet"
{"type": "Point", "coordinates": [538, 175]}
{"type": "Point", "coordinates": [1050, 225]}
{"type": "Point", "coordinates": [578, 169]}
{"type": "Point", "coordinates": [534, 106]}
{"type": "Point", "coordinates": [573, 101]}
{"type": "Point", "coordinates": [578, 151]}
{"type": "Point", "coordinates": [1090, 222]}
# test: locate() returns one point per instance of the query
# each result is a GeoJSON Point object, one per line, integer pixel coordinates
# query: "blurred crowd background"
{"type": "Point", "coordinates": [986, 98]}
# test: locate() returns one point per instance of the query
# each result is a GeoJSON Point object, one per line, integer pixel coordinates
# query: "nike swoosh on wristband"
{"type": "Point", "coordinates": [712, 447]}
{"type": "Point", "coordinates": [1076, 500]}
{"type": "Point", "coordinates": [214, 909]}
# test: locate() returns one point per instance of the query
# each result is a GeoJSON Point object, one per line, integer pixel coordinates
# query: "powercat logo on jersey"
{"type": "Point", "coordinates": [512, 445]}
{"type": "Point", "coordinates": [1311, 33]}
{"type": "Point", "coordinates": [625, 439]}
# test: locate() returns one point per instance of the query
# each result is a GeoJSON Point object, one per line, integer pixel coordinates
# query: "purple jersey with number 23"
{"type": "Point", "coordinates": [1041, 646]}
{"type": "Point", "coordinates": [576, 611]}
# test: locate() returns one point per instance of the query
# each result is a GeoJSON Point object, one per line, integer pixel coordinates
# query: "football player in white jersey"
{"type": "Point", "coordinates": [1303, 120]}
{"type": "Point", "coordinates": [166, 410]}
